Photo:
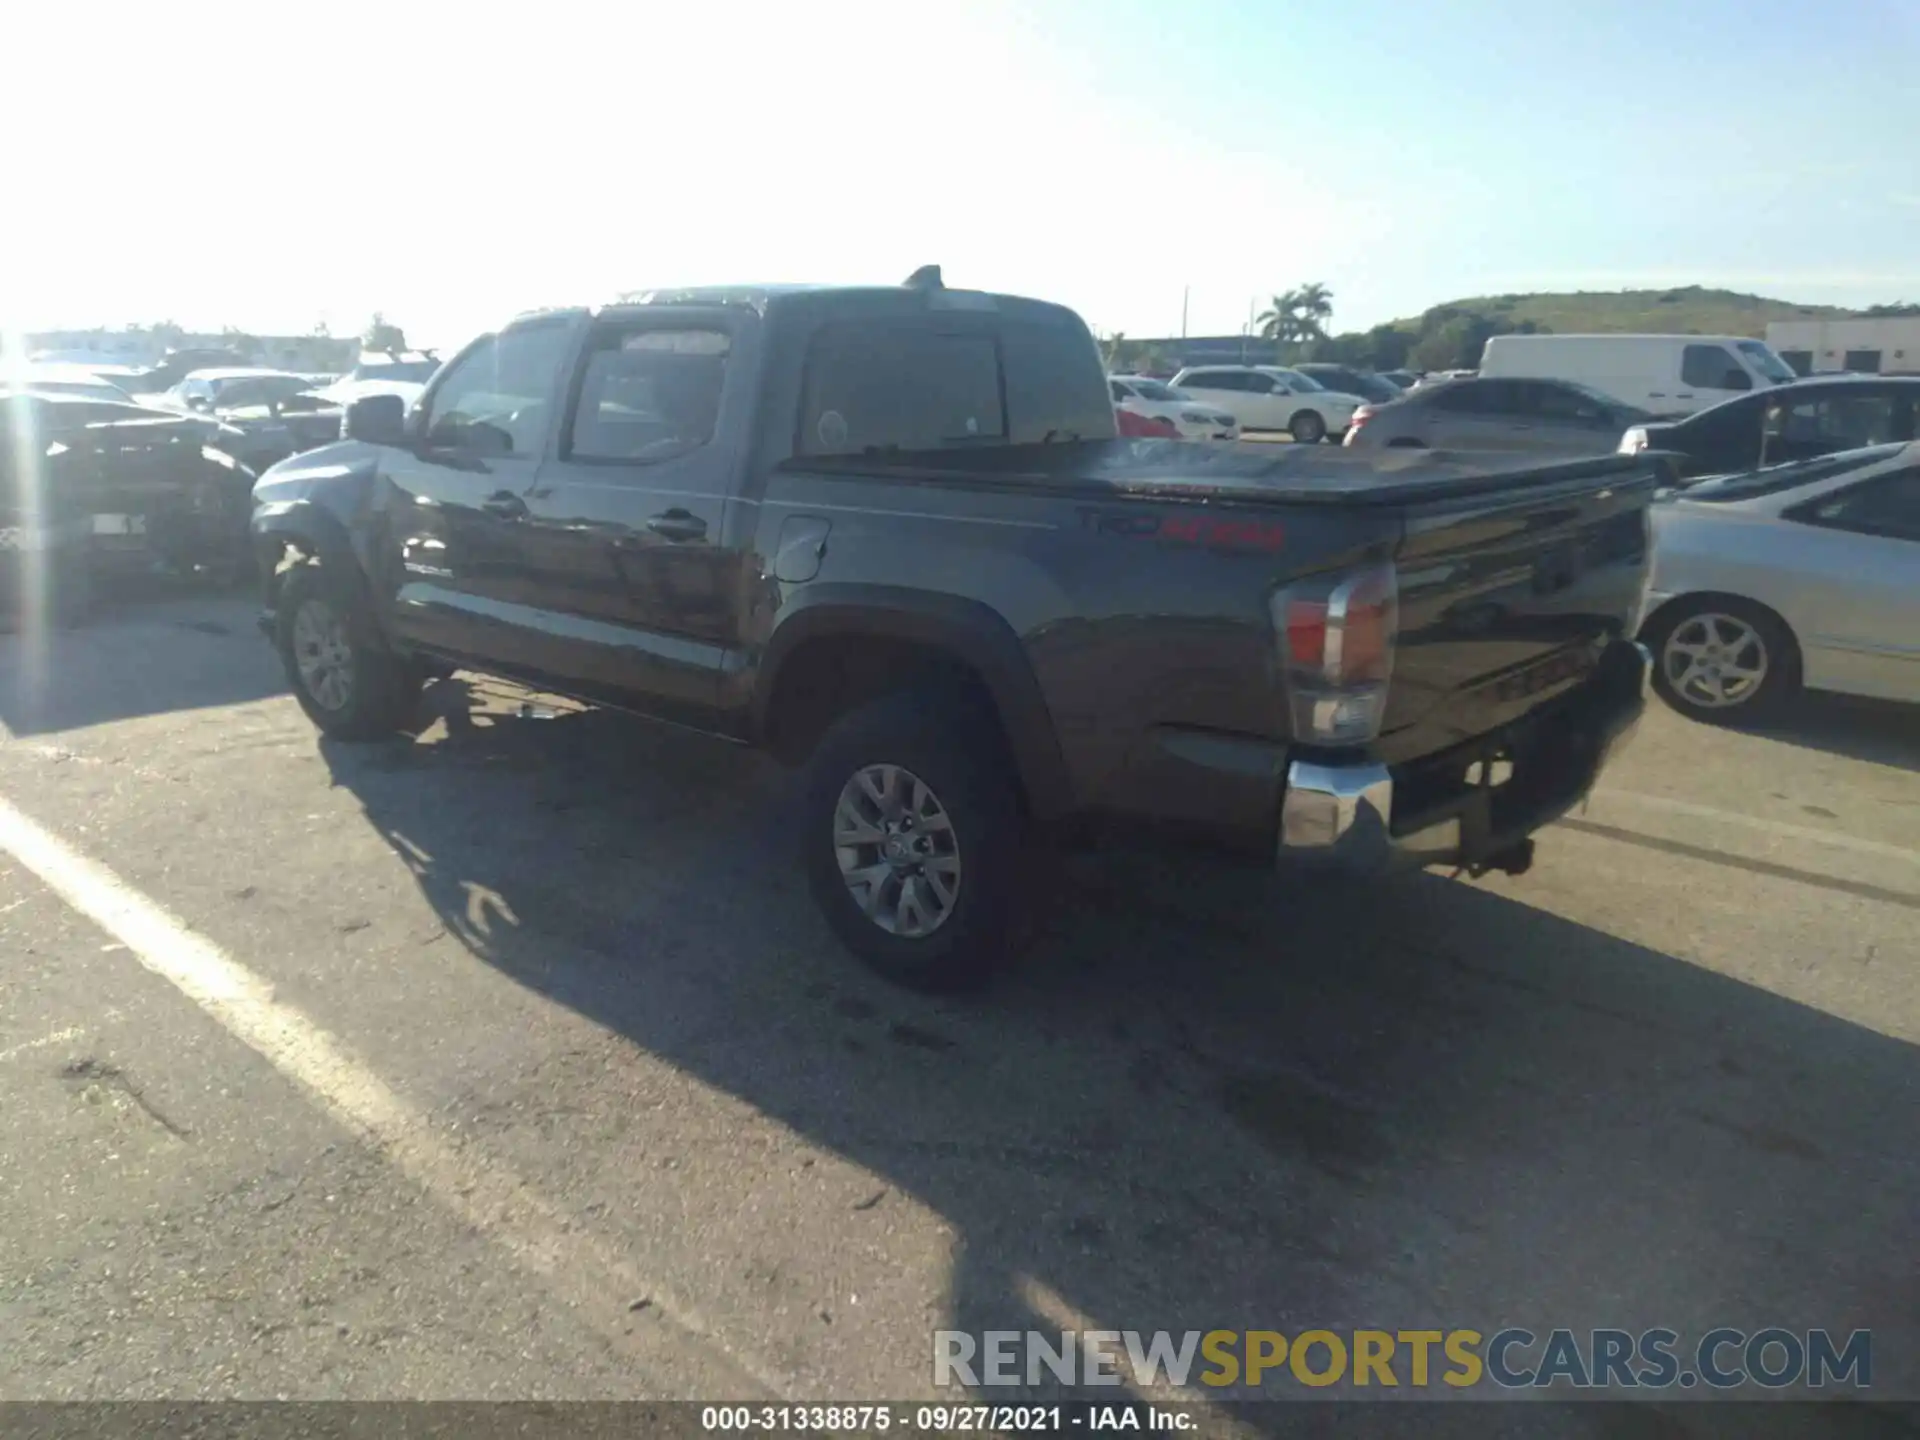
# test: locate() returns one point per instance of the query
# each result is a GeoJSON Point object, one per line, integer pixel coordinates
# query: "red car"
{"type": "Point", "coordinates": [1144, 427]}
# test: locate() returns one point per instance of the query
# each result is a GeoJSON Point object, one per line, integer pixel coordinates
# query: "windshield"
{"type": "Point", "coordinates": [1154, 390]}
{"type": "Point", "coordinates": [1762, 358]}
{"type": "Point", "coordinates": [1775, 478]}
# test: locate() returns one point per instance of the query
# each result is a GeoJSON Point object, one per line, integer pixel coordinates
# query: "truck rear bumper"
{"type": "Point", "coordinates": [1448, 809]}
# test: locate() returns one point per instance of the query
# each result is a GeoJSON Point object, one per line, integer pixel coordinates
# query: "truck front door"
{"type": "Point", "coordinates": [454, 564]}
{"type": "Point", "coordinates": [629, 531]}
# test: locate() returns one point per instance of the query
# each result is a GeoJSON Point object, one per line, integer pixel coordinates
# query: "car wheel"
{"type": "Point", "coordinates": [911, 832]}
{"type": "Point", "coordinates": [1721, 659]}
{"type": "Point", "coordinates": [1307, 428]}
{"type": "Point", "coordinates": [344, 677]}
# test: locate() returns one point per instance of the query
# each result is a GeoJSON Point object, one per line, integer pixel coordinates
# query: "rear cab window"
{"type": "Point", "coordinates": [885, 385]}
{"type": "Point", "coordinates": [914, 384]}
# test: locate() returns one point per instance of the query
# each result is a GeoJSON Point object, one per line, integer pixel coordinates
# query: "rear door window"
{"type": "Point", "coordinates": [648, 395]}
{"type": "Point", "coordinates": [875, 387]}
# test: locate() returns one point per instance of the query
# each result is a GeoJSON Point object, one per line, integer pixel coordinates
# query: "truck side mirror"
{"type": "Point", "coordinates": [377, 420]}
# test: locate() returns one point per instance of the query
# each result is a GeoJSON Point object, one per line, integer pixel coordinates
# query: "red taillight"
{"type": "Point", "coordinates": [1145, 427]}
{"type": "Point", "coordinates": [1360, 417]}
{"type": "Point", "coordinates": [1306, 632]}
{"type": "Point", "coordinates": [1338, 652]}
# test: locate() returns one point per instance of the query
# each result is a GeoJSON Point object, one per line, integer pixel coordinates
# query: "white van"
{"type": "Point", "coordinates": [1661, 374]}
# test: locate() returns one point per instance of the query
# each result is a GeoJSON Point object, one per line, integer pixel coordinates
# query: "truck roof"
{"type": "Point", "coordinates": [768, 299]}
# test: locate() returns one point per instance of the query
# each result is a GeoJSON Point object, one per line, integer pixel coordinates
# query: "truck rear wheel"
{"type": "Point", "coordinates": [911, 838]}
{"type": "Point", "coordinates": [347, 681]}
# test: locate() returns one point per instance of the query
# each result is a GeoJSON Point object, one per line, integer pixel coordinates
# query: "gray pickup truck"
{"type": "Point", "coordinates": [890, 533]}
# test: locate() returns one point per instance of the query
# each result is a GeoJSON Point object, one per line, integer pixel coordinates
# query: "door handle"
{"type": "Point", "coordinates": [505, 504]}
{"type": "Point", "coordinates": [678, 524]}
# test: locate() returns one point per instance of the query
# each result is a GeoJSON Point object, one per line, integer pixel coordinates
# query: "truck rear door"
{"type": "Point", "coordinates": [1508, 598]}
{"type": "Point", "coordinates": [626, 533]}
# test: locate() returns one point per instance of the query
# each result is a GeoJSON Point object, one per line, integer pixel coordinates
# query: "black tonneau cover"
{"type": "Point", "coordinates": [1246, 473]}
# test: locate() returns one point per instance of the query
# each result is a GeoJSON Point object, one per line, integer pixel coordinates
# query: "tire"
{"type": "Point", "coordinates": [1307, 428]}
{"type": "Point", "coordinates": [941, 748]}
{"type": "Point", "coordinates": [358, 689]}
{"type": "Point", "coordinates": [1709, 646]}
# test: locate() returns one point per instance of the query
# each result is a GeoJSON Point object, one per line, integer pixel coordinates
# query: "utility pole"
{"type": "Point", "coordinates": [1246, 335]}
{"type": "Point", "coordinates": [1186, 293]}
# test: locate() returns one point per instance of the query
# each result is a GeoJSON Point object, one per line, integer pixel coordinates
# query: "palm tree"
{"type": "Point", "coordinates": [1281, 320]}
{"type": "Point", "coordinates": [1297, 315]}
{"type": "Point", "coordinates": [1313, 303]}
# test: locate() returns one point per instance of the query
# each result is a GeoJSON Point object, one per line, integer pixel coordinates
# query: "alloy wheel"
{"type": "Point", "coordinates": [323, 654]}
{"type": "Point", "coordinates": [1715, 661]}
{"type": "Point", "coordinates": [897, 851]}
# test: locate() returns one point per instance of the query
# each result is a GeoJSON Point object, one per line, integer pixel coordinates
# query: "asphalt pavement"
{"type": "Point", "coordinates": [513, 1061]}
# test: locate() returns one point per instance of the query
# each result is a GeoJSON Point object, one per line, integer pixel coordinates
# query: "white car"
{"type": "Point", "coordinates": [1272, 397]}
{"type": "Point", "coordinates": [1804, 574]}
{"type": "Point", "coordinates": [1144, 395]}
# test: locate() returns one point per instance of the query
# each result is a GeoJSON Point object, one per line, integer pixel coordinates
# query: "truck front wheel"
{"type": "Point", "coordinates": [911, 839]}
{"type": "Point", "coordinates": [350, 685]}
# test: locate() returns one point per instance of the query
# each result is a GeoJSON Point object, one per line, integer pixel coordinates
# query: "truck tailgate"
{"type": "Point", "coordinates": [1507, 599]}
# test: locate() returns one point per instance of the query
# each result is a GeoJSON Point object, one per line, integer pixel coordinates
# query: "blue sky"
{"type": "Point", "coordinates": [450, 165]}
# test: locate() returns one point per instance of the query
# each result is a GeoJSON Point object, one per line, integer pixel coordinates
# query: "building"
{"type": "Point", "coordinates": [1884, 346]}
{"type": "Point", "coordinates": [139, 346]}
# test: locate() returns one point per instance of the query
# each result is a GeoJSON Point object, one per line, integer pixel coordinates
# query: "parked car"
{"type": "Point", "coordinates": [1664, 375]}
{"type": "Point", "coordinates": [148, 486]}
{"type": "Point", "coordinates": [413, 369]}
{"type": "Point", "coordinates": [1374, 389]}
{"type": "Point", "coordinates": [203, 389]}
{"type": "Point", "coordinates": [179, 364]}
{"type": "Point", "coordinates": [1133, 425]}
{"type": "Point", "coordinates": [60, 379]}
{"type": "Point", "coordinates": [1815, 417]}
{"type": "Point", "coordinates": [1191, 420]}
{"type": "Point", "coordinates": [958, 598]}
{"type": "Point", "coordinates": [1538, 415]}
{"type": "Point", "coordinates": [1271, 397]}
{"type": "Point", "coordinates": [1804, 574]}
{"type": "Point", "coordinates": [269, 417]}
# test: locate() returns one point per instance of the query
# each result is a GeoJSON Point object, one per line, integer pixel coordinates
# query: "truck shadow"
{"type": "Point", "coordinates": [1203, 1100]}
{"type": "Point", "coordinates": [1881, 732]}
{"type": "Point", "coordinates": [129, 659]}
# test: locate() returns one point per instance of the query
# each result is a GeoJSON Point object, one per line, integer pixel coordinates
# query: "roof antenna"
{"type": "Point", "coordinates": [927, 277]}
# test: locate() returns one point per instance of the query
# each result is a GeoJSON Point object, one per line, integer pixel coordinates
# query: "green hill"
{"type": "Point", "coordinates": [1690, 310]}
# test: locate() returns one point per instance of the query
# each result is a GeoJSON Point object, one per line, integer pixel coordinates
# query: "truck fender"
{"type": "Point", "coordinates": [313, 527]}
{"type": "Point", "coordinates": [970, 631]}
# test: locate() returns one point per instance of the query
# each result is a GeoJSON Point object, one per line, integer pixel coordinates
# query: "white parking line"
{"type": "Point", "coordinates": [679, 1353]}
{"type": "Point", "coordinates": [1754, 822]}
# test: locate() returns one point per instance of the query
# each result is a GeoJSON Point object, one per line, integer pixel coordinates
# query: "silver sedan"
{"type": "Point", "coordinates": [1797, 575]}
